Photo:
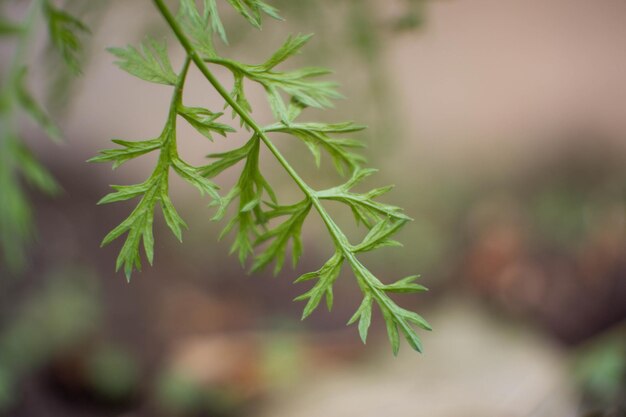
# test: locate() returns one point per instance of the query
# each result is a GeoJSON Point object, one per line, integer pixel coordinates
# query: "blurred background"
{"type": "Point", "coordinates": [502, 124]}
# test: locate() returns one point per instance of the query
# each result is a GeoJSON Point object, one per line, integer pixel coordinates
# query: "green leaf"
{"type": "Point", "coordinates": [297, 85]}
{"type": "Point", "coordinates": [9, 28]}
{"type": "Point", "coordinates": [395, 316]}
{"type": "Point", "coordinates": [16, 218]}
{"type": "Point", "coordinates": [317, 135]}
{"type": "Point", "coordinates": [364, 315]}
{"type": "Point", "coordinates": [392, 328]}
{"type": "Point", "coordinates": [329, 298]}
{"type": "Point", "coordinates": [267, 9]}
{"type": "Point", "coordinates": [129, 150]}
{"type": "Point", "coordinates": [245, 222]}
{"type": "Point", "coordinates": [405, 285]}
{"type": "Point", "coordinates": [250, 190]}
{"type": "Point", "coordinates": [210, 10]}
{"type": "Point", "coordinates": [33, 109]}
{"type": "Point", "coordinates": [150, 62]}
{"type": "Point", "coordinates": [204, 122]}
{"type": "Point", "coordinates": [227, 159]}
{"type": "Point", "coordinates": [34, 172]}
{"type": "Point", "coordinates": [366, 209]}
{"type": "Point", "coordinates": [172, 218]}
{"type": "Point", "coordinates": [200, 26]}
{"type": "Point", "coordinates": [378, 235]}
{"type": "Point", "coordinates": [238, 94]}
{"type": "Point", "coordinates": [411, 336]}
{"type": "Point", "coordinates": [252, 10]}
{"type": "Point", "coordinates": [65, 31]}
{"type": "Point", "coordinates": [138, 227]}
{"type": "Point", "coordinates": [416, 319]}
{"type": "Point", "coordinates": [289, 230]}
{"type": "Point", "coordinates": [126, 192]}
{"type": "Point", "coordinates": [291, 47]}
{"type": "Point", "coordinates": [193, 175]}
{"type": "Point", "coordinates": [327, 275]}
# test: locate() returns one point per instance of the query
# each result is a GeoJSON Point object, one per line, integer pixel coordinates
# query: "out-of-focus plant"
{"type": "Point", "coordinates": [259, 219]}
{"type": "Point", "coordinates": [112, 372]}
{"type": "Point", "coordinates": [363, 33]}
{"type": "Point", "coordinates": [17, 163]}
{"type": "Point", "coordinates": [59, 316]}
{"type": "Point", "coordinates": [600, 370]}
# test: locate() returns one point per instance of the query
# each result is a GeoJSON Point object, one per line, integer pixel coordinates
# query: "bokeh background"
{"type": "Point", "coordinates": [502, 124]}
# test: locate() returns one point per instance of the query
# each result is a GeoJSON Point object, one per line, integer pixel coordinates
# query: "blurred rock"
{"type": "Point", "coordinates": [474, 365]}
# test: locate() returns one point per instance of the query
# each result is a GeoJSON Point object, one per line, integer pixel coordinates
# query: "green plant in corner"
{"type": "Point", "coordinates": [17, 162]}
{"type": "Point", "coordinates": [256, 204]}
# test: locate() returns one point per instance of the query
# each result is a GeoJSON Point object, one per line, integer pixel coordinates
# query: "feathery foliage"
{"type": "Point", "coordinates": [17, 162]}
{"type": "Point", "coordinates": [153, 191]}
{"type": "Point", "coordinates": [255, 203]}
{"type": "Point", "coordinates": [65, 31]}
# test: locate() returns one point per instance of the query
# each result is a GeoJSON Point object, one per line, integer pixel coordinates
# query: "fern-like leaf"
{"type": "Point", "coordinates": [65, 31]}
{"type": "Point", "coordinates": [263, 226]}
{"type": "Point", "coordinates": [148, 62]}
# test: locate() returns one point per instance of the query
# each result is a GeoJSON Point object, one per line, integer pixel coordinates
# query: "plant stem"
{"type": "Point", "coordinates": [176, 101]}
{"type": "Point", "coordinates": [168, 146]}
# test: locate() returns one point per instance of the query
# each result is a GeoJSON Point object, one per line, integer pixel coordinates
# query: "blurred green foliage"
{"type": "Point", "coordinates": [59, 316]}
{"type": "Point", "coordinates": [282, 360]}
{"type": "Point", "coordinates": [112, 372]}
{"type": "Point", "coordinates": [18, 165]}
{"type": "Point", "coordinates": [600, 370]}
{"type": "Point", "coordinates": [180, 395]}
